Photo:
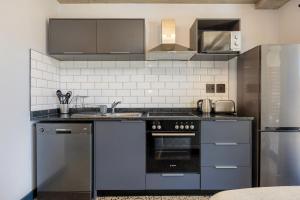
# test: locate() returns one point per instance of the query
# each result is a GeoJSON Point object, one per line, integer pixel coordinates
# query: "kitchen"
{"type": "Point", "coordinates": [146, 85]}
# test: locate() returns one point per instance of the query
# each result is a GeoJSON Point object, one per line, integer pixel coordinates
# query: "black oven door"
{"type": "Point", "coordinates": [173, 152]}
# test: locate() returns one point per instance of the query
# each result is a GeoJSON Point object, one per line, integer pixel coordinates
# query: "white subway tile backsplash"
{"type": "Point", "coordinates": [144, 100]}
{"type": "Point", "coordinates": [41, 83]}
{"type": "Point", "coordinates": [159, 100]}
{"type": "Point", "coordinates": [172, 100]}
{"type": "Point", "coordinates": [94, 93]}
{"type": "Point", "coordinates": [165, 92]}
{"type": "Point", "coordinates": [136, 83]}
{"type": "Point", "coordinates": [144, 85]}
{"type": "Point", "coordinates": [123, 93]}
{"type": "Point", "coordinates": [157, 85]}
{"type": "Point", "coordinates": [130, 100]}
{"type": "Point", "coordinates": [87, 86]}
{"type": "Point", "coordinates": [137, 78]}
{"type": "Point", "coordinates": [101, 86]}
{"type": "Point", "coordinates": [115, 86]}
{"type": "Point", "coordinates": [73, 86]}
{"type": "Point", "coordinates": [129, 85]}
{"type": "Point", "coordinates": [109, 92]}
{"type": "Point", "coordinates": [137, 93]}
{"type": "Point", "coordinates": [101, 100]}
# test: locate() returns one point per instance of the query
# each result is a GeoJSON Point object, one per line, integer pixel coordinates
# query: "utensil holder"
{"type": "Point", "coordinates": [64, 108]}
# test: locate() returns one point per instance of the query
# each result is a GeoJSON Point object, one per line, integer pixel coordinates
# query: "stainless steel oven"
{"type": "Point", "coordinates": [173, 146]}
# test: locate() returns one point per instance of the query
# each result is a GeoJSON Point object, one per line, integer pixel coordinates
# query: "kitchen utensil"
{"type": "Point", "coordinates": [224, 106]}
{"type": "Point", "coordinates": [68, 96]}
{"type": "Point", "coordinates": [59, 95]}
{"type": "Point", "coordinates": [204, 105]}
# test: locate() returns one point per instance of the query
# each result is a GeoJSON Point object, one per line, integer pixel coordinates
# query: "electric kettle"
{"type": "Point", "coordinates": [204, 105]}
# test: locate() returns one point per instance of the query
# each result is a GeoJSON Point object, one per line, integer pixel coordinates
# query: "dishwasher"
{"type": "Point", "coordinates": [64, 161]}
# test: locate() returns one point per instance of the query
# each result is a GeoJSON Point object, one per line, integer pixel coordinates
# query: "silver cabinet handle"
{"type": "Point", "coordinates": [226, 143]}
{"type": "Point", "coordinates": [73, 52]}
{"type": "Point", "coordinates": [226, 167]}
{"type": "Point", "coordinates": [172, 175]}
{"type": "Point", "coordinates": [226, 120]}
{"type": "Point", "coordinates": [174, 134]}
{"type": "Point", "coordinates": [120, 52]}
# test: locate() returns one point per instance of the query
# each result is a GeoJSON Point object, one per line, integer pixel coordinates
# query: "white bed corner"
{"type": "Point", "coordinates": [260, 193]}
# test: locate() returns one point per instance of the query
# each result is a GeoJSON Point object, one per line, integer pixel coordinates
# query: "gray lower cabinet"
{"type": "Point", "coordinates": [226, 154]}
{"type": "Point", "coordinates": [120, 155]}
{"type": "Point", "coordinates": [225, 177]}
{"type": "Point", "coordinates": [173, 181]}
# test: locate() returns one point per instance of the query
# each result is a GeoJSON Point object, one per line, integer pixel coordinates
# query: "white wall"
{"type": "Point", "coordinates": [289, 16]}
{"type": "Point", "coordinates": [258, 26]}
{"type": "Point", "coordinates": [23, 26]}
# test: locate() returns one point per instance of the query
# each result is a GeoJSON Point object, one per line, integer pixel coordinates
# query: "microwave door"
{"type": "Point", "coordinates": [216, 42]}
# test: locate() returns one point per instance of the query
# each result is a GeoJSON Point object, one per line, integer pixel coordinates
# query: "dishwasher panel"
{"type": "Point", "coordinates": [64, 161]}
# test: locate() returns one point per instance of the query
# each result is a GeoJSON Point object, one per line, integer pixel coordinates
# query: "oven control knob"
{"type": "Point", "coordinates": [176, 127]}
{"type": "Point", "coordinates": [187, 127]}
{"type": "Point", "coordinates": [158, 127]}
{"type": "Point", "coordinates": [181, 127]}
{"type": "Point", "coordinates": [153, 127]}
{"type": "Point", "coordinates": [192, 127]}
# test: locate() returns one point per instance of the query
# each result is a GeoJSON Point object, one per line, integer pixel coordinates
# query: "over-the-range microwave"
{"type": "Point", "coordinates": [220, 41]}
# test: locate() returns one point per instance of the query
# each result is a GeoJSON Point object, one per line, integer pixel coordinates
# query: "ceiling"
{"type": "Point", "coordinates": [260, 4]}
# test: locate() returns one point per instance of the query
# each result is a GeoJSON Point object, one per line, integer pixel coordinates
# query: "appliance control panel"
{"type": "Point", "coordinates": [174, 125]}
{"type": "Point", "coordinates": [236, 41]}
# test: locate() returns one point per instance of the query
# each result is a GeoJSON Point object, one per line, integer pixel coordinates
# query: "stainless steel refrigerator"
{"type": "Point", "coordinates": [269, 90]}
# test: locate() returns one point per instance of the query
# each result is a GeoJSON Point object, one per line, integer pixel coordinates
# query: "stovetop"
{"type": "Point", "coordinates": [170, 114]}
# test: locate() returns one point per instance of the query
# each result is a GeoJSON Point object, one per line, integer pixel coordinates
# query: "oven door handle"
{"type": "Point", "coordinates": [172, 175]}
{"type": "Point", "coordinates": [173, 134]}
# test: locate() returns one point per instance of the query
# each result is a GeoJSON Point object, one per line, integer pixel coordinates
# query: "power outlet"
{"type": "Point", "coordinates": [220, 88]}
{"type": "Point", "coordinates": [210, 88]}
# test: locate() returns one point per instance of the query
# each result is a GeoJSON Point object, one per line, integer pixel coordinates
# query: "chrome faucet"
{"type": "Point", "coordinates": [114, 105]}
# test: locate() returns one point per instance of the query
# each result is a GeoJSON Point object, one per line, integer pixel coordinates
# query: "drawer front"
{"type": "Point", "coordinates": [225, 154]}
{"type": "Point", "coordinates": [225, 177]}
{"type": "Point", "coordinates": [225, 131]}
{"type": "Point", "coordinates": [172, 181]}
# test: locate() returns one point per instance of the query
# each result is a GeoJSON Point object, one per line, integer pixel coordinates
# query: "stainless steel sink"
{"type": "Point", "coordinates": [108, 115]}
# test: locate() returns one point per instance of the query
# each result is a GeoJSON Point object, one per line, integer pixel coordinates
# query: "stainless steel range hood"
{"type": "Point", "coordinates": [168, 49]}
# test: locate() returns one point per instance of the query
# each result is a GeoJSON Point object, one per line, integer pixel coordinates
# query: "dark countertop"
{"type": "Point", "coordinates": [197, 116]}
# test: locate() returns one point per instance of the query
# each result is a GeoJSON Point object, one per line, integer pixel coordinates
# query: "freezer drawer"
{"type": "Point", "coordinates": [225, 131]}
{"type": "Point", "coordinates": [176, 181]}
{"type": "Point", "coordinates": [280, 159]}
{"type": "Point", "coordinates": [225, 177]}
{"type": "Point", "coordinates": [225, 154]}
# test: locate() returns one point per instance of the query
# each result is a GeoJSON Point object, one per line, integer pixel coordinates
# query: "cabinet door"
{"type": "Point", "coordinates": [72, 36]}
{"type": "Point", "coordinates": [120, 151]}
{"type": "Point", "coordinates": [121, 36]}
{"type": "Point", "coordinates": [225, 177]}
{"type": "Point", "coordinates": [223, 131]}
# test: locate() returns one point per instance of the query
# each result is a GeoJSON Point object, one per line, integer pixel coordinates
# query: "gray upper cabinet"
{"type": "Point", "coordinates": [72, 36]}
{"type": "Point", "coordinates": [120, 155]}
{"type": "Point", "coordinates": [119, 36]}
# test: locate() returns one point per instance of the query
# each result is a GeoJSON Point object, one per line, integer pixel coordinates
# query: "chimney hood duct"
{"type": "Point", "coordinates": [168, 49]}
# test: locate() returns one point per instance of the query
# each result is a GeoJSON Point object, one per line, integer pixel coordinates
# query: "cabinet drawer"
{"type": "Point", "coordinates": [172, 181]}
{"type": "Point", "coordinates": [225, 154]}
{"type": "Point", "coordinates": [225, 131]}
{"type": "Point", "coordinates": [225, 177]}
